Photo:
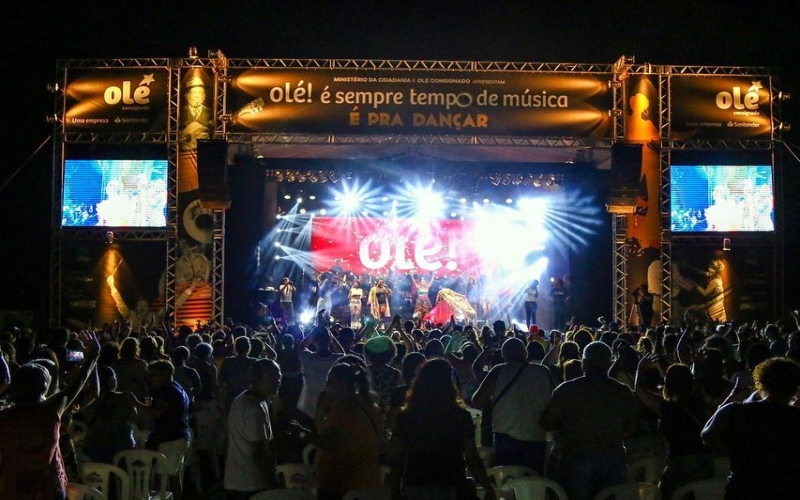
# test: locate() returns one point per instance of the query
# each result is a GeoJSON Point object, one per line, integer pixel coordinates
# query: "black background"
{"type": "Point", "coordinates": [36, 34]}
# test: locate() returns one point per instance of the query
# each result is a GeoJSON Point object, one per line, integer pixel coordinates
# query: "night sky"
{"type": "Point", "coordinates": [36, 34]}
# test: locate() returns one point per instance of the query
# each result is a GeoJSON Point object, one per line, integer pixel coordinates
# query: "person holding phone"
{"type": "Point", "coordinates": [30, 429]}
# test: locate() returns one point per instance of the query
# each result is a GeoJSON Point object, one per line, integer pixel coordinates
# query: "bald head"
{"type": "Point", "coordinates": [514, 350]}
{"type": "Point", "coordinates": [596, 358]}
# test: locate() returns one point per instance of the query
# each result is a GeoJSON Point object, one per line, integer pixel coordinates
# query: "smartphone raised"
{"type": "Point", "coordinates": [75, 356]}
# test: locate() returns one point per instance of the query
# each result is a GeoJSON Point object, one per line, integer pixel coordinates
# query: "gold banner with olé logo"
{"type": "Point", "coordinates": [117, 100]}
{"type": "Point", "coordinates": [720, 107]}
{"type": "Point", "coordinates": [420, 102]}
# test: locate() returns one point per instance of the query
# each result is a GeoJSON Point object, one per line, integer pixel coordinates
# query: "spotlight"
{"type": "Point", "coordinates": [537, 182]}
{"type": "Point", "coordinates": [109, 237]}
{"type": "Point", "coordinates": [193, 52]}
{"type": "Point", "coordinates": [784, 127]}
{"type": "Point", "coordinates": [784, 96]}
{"type": "Point", "coordinates": [726, 244]}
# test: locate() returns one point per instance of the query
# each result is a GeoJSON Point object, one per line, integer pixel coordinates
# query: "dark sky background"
{"type": "Point", "coordinates": [36, 34]}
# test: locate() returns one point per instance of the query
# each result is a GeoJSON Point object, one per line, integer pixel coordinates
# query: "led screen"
{"type": "Point", "coordinates": [114, 193]}
{"type": "Point", "coordinates": [721, 198]}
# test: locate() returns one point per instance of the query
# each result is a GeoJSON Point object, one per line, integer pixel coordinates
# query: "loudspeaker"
{"type": "Point", "coordinates": [212, 170]}
{"type": "Point", "coordinates": [626, 165]}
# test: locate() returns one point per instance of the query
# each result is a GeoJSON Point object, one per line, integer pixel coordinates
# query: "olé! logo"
{"type": "Point", "coordinates": [127, 95]}
{"type": "Point", "coordinates": [738, 100]}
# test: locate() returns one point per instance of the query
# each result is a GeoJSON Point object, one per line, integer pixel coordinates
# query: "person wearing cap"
{"type": "Point", "coordinates": [286, 291]}
{"type": "Point", "coordinates": [592, 415]}
{"type": "Point", "coordinates": [195, 117]}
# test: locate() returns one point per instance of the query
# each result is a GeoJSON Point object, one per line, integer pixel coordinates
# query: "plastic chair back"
{"type": "Point", "coordinates": [310, 454]}
{"type": "Point", "coordinates": [630, 491]}
{"type": "Point", "coordinates": [76, 491]}
{"type": "Point", "coordinates": [707, 489]}
{"type": "Point", "coordinates": [145, 468]}
{"type": "Point", "coordinates": [535, 488]}
{"type": "Point", "coordinates": [104, 477]}
{"type": "Point", "coordinates": [500, 474]}
{"type": "Point", "coordinates": [297, 476]}
{"type": "Point", "coordinates": [368, 494]}
{"type": "Point", "coordinates": [285, 494]}
{"type": "Point", "coordinates": [645, 470]}
{"type": "Point", "coordinates": [487, 456]}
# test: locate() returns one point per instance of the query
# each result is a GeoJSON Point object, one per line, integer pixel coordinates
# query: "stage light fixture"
{"type": "Point", "coordinates": [109, 237]}
{"type": "Point", "coordinates": [334, 177]}
{"type": "Point", "coordinates": [784, 127]}
{"type": "Point", "coordinates": [53, 87]}
{"type": "Point", "coordinates": [784, 96]}
{"type": "Point", "coordinates": [726, 244]}
{"type": "Point", "coordinates": [193, 54]}
{"type": "Point", "coordinates": [537, 182]}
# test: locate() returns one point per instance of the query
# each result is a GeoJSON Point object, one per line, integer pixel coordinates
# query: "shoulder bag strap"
{"type": "Point", "coordinates": [508, 386]}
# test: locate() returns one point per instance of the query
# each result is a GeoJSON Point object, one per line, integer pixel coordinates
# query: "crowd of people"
{"type": "Point", "coordinates": [577, 405]}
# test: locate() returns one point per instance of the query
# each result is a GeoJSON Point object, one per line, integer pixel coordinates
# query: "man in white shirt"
{"type": "Point", "coordinates": [249, 464]}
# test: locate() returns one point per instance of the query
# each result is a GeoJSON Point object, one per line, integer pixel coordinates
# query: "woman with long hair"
{"type": "Point", "coordinates": [110, 419]}
{"type": "Point", "coordinates": [30, 429]}
{"type": "Point", "coordinates": [423, 304]}
{"type": "Point", "coordinates": [680, 420]}
{"type": "Point", "coordinates": [433, 441]}
{"type": "Point", "coordinates": [348, 434]}
{"type": "Point", "coordinates": [354, 298]}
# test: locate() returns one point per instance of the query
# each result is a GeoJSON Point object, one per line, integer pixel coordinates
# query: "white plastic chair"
{"type": "Point", "coordinates": [722, 467]}
{"type": "Point", "coordinates": [285, 494]}
{"type": "Point", "coordinates": [385, 472]}
{"type": "Point", "coordinates": [297, 476]}
{"type": "Point", "coordinates": [104, 477]}
{"type": "Point", "coordinates": [368, 494]}
{"type": "Point", "coordinates": [76, 491]}
{"type": "Point", "coordinates": [707, 489]}
{"type": "Point", "coordinates": [487, 456]}
{"type": "Point", "coordinates": [310, 454]}
{"type": "Point", "coordinates": [630, 491]}
{"type": "Point", "coordinates": [645, 470]}
{"type": "Point", "coordinates": [500, 474]}
{"type": "Point", "coordinates": [145, 468]}
{"type": "Point", "coordinates": [535, 488]}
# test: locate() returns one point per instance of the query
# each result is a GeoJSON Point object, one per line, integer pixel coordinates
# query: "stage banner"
{"type": "Point", "coordinates": [117, 100]}
{"type": "Point", "coordinates": [322, 101]}
{"type": "Point", "coordinates": [720, 107]}
{"type": "Point", "coordinates": [376, 246]}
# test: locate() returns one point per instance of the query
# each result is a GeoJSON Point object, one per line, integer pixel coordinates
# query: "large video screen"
{"type": "Point", "coordinates": [114, 193]}
{"type": "Point", "coordinates": [721, 198]}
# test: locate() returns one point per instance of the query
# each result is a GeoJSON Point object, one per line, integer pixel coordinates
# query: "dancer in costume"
{"type": "Point", "coordinates": [451, 303]}
{"type": "Point", "coordinates": [423, 305]}
{"type": "Point", "coordinates": [379, 301]}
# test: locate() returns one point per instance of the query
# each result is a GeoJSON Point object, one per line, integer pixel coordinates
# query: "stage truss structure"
{"type": "Point", "coordinates": [219, 64]}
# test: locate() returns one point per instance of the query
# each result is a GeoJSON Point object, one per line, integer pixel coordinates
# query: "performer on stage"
{"type": "Point", "coordinates": [450, 303]}
{"type": "Point", "coordinates": [473, 292]}
{"type": "Point", "coordinates": [286, 291]}
{"type": "Point", "coordinates": [423, 287]}
{"type": "Point", "coordinates": [355, 296]}
{"type": "Point", "coordinates": [531, 303]}
{"type": "Point", "coordinates": [379, 301]}
{"type": "Point", "coordinates": [325, 290]}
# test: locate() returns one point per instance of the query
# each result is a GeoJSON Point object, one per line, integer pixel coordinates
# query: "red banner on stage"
{"type": "Point", "coordinates": [375, 246]}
